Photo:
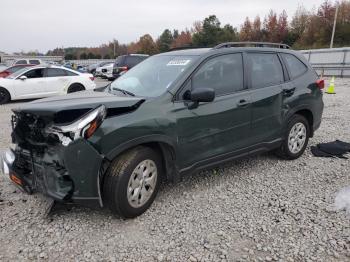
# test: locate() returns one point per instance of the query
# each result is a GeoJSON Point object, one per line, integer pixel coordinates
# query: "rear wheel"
{"type": "Point", "coordinates": [75, 88]}
{"type": "Point", "coordinates": [5, 96]}
{"type": "Point", "coordinates": [132, 181]}
{"type": "Point", "coordinates": [295, 138]}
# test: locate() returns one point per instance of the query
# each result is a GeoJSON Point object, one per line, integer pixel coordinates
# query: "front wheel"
{"type": "Point", "coordinates": [132, 181]}
{"type": "Point", "coordinates": [296, 138]}
{"type": "Point", "coordinates": [5, 96]}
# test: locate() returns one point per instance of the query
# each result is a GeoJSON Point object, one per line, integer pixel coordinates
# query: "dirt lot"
{"type": "Point", "coordinates": [258, 209]}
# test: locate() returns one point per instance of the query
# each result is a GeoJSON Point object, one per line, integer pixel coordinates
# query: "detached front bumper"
{"type": "Point", "coordinates": [64, 173]}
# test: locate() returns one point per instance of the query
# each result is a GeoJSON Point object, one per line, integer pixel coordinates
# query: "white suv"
{"type": "Point", "coordinates": [28, 61]}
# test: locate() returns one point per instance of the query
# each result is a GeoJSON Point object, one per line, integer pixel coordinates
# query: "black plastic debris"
{"type": "Point", "coordinates": [336, 148]}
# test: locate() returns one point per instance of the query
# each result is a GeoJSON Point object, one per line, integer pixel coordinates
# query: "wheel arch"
{"type": "Point", "coordinates": [75, 83]}
{"type": "Point", "coordinates": [305, 112]}
{"type": "Point", "coordinates": [161, 144]}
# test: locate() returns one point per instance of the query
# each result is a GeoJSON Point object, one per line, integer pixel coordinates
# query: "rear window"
{"type": "Point", "coordinates": [34, 62]}
{"type": "Point", "coordinates": [266, 70]}
{"type": "Point", "coordinates": [295, 66]}
{"type": "Point", "coordinates": [14, 69]}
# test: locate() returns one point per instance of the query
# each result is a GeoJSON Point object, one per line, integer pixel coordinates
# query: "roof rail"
{"type": "Point", "coordinates": [252, 44]}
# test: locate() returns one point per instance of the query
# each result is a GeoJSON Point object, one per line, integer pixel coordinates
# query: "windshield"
{"type": "Point", "coordinates": [17, 73]}
{"type": "Point", "coordinates": [153, 76]}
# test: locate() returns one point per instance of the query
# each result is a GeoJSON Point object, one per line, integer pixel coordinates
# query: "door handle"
{"type": "Point", "coordinates": [242, 103]}
{"type": "Point", "coordinates": [288, 91]}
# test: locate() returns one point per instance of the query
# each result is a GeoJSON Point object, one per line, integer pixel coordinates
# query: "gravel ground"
{"type": "Point", "coordinates": [258, 209]}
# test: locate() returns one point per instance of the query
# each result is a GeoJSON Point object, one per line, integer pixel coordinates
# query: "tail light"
{"type": "Point", "coordinates": [320, 83]}
{"type": "Point", "coordinates": [92, 78]}
{"type": "Point", "coordinates": [123, 68]}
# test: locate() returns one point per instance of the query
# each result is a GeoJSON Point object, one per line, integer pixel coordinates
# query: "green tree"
{"type": "Point", "coordinates": [90, 55]}
{"type": "Point", "coordinates": [70, 57]}
{"type": "Point", "coordinates": [83, 56]}
{"type": "Point", "coordinates": [210, 33]}
{"type": "Point", "coordinates": [165, 40]}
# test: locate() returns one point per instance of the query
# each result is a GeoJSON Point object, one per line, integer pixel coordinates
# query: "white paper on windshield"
{"type": "Point", "coordinates": [181, 62]}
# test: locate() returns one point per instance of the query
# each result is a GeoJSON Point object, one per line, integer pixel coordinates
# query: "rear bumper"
{"type": "Point", "coordinates": [65, 174]}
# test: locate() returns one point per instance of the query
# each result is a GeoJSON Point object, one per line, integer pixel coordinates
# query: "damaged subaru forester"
{"type": "Point", "coordinates": [172, 114]}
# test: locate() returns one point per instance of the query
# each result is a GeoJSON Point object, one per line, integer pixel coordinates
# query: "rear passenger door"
{"type": "Point", "coordinates": [57, 81]}
{"type": "Point", "coordinates": [267, 84]}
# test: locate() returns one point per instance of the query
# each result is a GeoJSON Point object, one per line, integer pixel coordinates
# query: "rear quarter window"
{"type": "Point", "coordinates": [295, 67]}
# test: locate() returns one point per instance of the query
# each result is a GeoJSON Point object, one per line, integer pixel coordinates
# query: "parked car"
{"type": "Point", "coordinates": [107, 72]}
{"type": "Point", "coordinates": [12, 69]}
{"type": "Point", "coordinates": [125, 62]}
{"type": "Point", "coordinates": [31, 61]}
{"type": "Point", "coordinates": [173, 114]}
{"type": "Point", "coordinates": [41, 81]}
{"type": "Point", "coordinates": [92, 68]}
{"type": "Point", "coordinates": [99, 73]}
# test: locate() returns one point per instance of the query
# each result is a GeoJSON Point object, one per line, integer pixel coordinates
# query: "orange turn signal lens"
{"type": "Point", "coordinates": [91, 130]}
{"type": "Point", "coordinates": [16, 180]}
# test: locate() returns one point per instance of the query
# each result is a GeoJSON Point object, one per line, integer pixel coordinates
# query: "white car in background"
{"type": "Point", "coordinates": [43, 81]}
{"type": "Point", "coordinates": [102, 69]}
{"type": "Point", "coordinates": [29, 61]}
{"type": "Point", "coordinates": [107, 71]}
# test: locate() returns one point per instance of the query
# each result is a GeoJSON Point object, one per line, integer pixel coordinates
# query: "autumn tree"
{"type": "Point", "coordinates": [246, 33]}
{"type": "Point", "coordinates": [271, 27]}
{"type": "Point", "coordinates": [184, 39]}
{"type": "Point", "coordinates": [256, 33]}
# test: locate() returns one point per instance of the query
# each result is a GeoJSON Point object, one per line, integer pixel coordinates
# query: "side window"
{"type": "Point", "coordinates": [55, 72]}
{"type": "Point", "coordinates": [35, 73]}
{"type": "Point", "coordinates": [222, 73]}
{"type": "Point", "coordinates": [70, 73]}
{"type": "Point", "coordinates": [34, 62]}
{"type": "Point", "coordinates": [266, 70]}
{"type": "Point", "coordinates": [21, 62]}
{"type": "Point", "coordinates": [294, 65]}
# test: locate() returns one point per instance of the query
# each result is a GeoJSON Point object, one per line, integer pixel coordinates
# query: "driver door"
{"type": "Point", "coordinates": [220, 128]}
{"type": "Point", "coordinates": [33, 86]}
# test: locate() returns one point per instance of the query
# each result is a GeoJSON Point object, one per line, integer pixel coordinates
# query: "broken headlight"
{"type": "Point", "coordinates": [84, 127]}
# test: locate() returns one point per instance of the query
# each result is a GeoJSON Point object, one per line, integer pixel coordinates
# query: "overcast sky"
{"type": "Point", "coordinates": [46, 24]}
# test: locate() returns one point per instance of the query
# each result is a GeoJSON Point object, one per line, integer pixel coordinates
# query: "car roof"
{"type": "Point", "coordinates": [208, 51]}
{"type": "Point", "coordinates": [194, 52]}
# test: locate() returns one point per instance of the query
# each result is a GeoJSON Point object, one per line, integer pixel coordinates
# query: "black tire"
{"type": "Point", "coordinates": [75, 88]}
{"type": "Point", "coordinates": [5, 96]}
{"type": "Point", "coordinates": [117, 181]}
{"type": "Point", "coordinates": [284, 151]}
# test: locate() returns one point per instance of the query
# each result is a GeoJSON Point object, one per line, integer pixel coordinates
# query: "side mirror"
{"type": "Point", "coordinates": [199, 95]}
{"type": "Point", "coordinates": [22, 78]}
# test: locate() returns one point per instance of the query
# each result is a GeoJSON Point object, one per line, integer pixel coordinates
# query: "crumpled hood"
{"type": "Point", "coordinates": [78, 100]}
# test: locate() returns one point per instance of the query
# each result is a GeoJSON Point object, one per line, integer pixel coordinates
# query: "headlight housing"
{"type": "Point", "coordinates": [84, 127]}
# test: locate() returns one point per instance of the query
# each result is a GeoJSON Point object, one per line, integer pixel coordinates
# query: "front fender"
{"type": "Point", "coordinates": [138, 141]}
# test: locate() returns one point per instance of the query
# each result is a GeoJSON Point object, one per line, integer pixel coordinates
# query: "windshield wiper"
{"type": "Point", "coordinates": [125, 92]}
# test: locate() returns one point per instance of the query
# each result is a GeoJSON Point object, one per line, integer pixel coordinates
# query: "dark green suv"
{"type": "Point", "coordinates": [172, 114]}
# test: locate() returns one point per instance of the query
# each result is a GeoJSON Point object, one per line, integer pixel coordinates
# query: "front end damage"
{"type": "Point", "coordinates": [58, 162]}
{"type": "Point", "coordinates": [53, 153]}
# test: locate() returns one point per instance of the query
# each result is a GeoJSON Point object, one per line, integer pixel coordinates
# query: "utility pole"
{"type": "Point", "coordinates": [334, 24]}
{"type": "Point", "coordinates": [113, 48]}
